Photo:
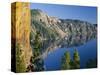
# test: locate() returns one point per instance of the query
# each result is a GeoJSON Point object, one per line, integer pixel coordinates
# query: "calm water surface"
{"type": "Point", "coordinates": [87, 51]}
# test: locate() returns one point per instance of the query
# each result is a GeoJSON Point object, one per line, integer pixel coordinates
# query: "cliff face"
{"type": "Point", "coordinates": [21, 32]}
{"type": "Point", "coordinates": [56, 28]}
{"type": "Point", "coordinates": [46, 25]}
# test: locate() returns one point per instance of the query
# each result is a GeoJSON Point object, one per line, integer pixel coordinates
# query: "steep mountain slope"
{"type": "Point", "coordinates": [55, 28]}
{"type": "Point", "coordinates": [77, 27]}
{"type": "Point", "coordinates": [46, 25]}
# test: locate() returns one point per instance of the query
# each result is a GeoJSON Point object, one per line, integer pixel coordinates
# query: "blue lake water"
{"type": "Point", "coordinates": [86, 51]}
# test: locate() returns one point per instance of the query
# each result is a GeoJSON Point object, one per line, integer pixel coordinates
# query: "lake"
{"type": "Point", "coordinates": [52, 52]}
{"type": "Point", "coordinates": [86, 52]}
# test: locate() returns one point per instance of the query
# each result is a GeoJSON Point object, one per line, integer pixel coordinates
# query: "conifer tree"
{"type": "Point", "coordinates": [66, 61]}
{"type": "Point", "coordinates": [76, 59]}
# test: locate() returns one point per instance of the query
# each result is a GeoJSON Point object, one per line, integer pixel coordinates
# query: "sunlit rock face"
{"type": "Point", "coordinates": [47, 25]}
{"type": "Point", "coordinates": [21, 29]}
{"type": "Point", "coordinates": [52, 27]}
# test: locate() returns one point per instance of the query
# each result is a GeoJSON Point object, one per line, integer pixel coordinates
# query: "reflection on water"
{"type": "Point", "coordinates": [52, 51]}
{"type": "Point", "coordinates": [67, 42]}
{"type": "Point", "coordinates": [86, 52]}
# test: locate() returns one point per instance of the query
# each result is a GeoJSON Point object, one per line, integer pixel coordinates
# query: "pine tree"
{"type": "Point", "coordinates": [67, 56]}
{"type": "Point", "coordinates": [66, 61]}
{"type": "Point", "coordinates": [76, 59]}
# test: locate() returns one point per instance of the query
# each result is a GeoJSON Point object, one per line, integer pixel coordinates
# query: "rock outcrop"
{"type": "Point", "coordinates": [46, 25]}
{"type": "Point", "coordinates": [55, 28]}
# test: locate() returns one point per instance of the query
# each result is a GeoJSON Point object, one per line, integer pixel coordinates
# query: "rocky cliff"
{"type": "Point", "coordinates": [21, 36]}
{"type": "Point", "coordinates": [56, 28]}
{"type": "Point", "coordinates": [46, 25]}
